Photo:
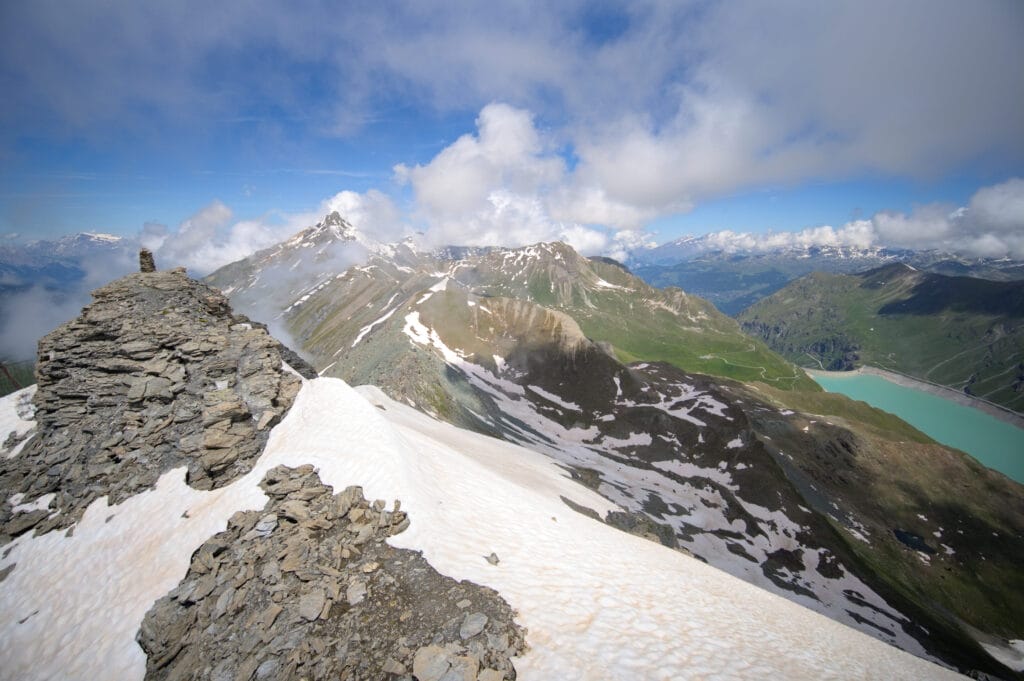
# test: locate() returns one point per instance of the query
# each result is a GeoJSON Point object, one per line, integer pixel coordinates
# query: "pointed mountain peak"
{"type": "Point", "coordinates": [337, 225]}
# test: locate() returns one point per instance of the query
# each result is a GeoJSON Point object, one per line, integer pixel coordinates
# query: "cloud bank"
{"type": "Point", "coordinates": [608, 114]}
{"type": "Point", "coordinates": [990, 226]}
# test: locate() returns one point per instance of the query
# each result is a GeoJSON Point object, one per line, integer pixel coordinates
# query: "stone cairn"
{"type": "Point", "coordinates": [146, 262]}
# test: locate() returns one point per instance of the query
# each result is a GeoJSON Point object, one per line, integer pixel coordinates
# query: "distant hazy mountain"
{"type": "Point", "coordinates": [44, 283]}
{"type": "Point", "coordinates": [963, 332]}
{"type": "Point", "coordinates": [734, 278]}
{"type": "Point", "coordinates": [53, 263]}
{"type": "Point", "coordinates": [773, 481]}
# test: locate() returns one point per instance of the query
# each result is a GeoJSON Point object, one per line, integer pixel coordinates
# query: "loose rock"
{"type": "Point", "coordinates": [278, 599]}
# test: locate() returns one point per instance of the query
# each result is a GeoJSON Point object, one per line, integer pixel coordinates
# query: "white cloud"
{"type": "Point", "coordinates": [932, 224]}
{"type": "Point", "coordinates": [506, 185]}
{"type": "Point", "coordinates": [680, 102]}
{"type": "Point", "coordinates": [857, 234]}
{"type": "Point", "coordinates": [999, 208]}
{"type": "Point", "coordinates": [505, 155]}
{"type": "Point", "coordinates": [372, 213]}
{"type": "Point", "coordinates": [209, 239]}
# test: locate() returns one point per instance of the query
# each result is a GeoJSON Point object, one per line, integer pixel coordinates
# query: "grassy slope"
{"type": "Point", "coordinates": [640, 322]}
{"type": "Point", "coordinates": [22, 373]}
{"type": "Point", "coordinates": [949, 330]}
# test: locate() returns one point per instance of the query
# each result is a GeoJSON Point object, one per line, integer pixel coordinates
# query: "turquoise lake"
{"type": "Point", "coordinates": [994, 443]}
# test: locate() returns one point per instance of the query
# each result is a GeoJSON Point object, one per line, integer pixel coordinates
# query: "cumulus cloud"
{"type": "Point", "coordinates": [668, 103]}
{"type": "Point", "coordinates": [507, 185]}
{"type": "Point", "coordinates": [859, 234]}
{"type": "Point", "coordinates": [990, 225]}
{"type": "Point", "coordinates": [931, 224]}
{"type": "Point", "coordinates": [1000, 208]}
{"type": "Point", "coordinates": [373, 213]}
{"type": "Point", "coordinates": [210, 239]}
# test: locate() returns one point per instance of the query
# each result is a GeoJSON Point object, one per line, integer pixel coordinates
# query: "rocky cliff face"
{"type": "Point", "coordinates": [156, 373]}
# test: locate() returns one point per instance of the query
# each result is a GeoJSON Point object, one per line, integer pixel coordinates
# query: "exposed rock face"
{"type": "Point", "coordinates": [156, 373]}
{"type": "Point", "coordinates": [308, 588]}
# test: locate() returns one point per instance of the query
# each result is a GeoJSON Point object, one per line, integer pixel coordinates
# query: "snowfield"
{"type": "Point", "coordinates": [597, 603]}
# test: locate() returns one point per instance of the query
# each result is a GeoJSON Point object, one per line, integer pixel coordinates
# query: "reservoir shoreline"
{"type": "Point", "coordinates": [1002, 413]}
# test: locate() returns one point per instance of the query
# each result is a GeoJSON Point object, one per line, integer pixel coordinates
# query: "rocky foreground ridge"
{"type": "Point", "coordinates": [157, 374]}
{"type": "Point", "coordinates": [307, 588]}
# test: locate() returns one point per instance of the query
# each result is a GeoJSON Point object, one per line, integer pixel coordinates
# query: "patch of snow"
{"type": "Point", "coordinates": [734, 443]}
{"type": "Point", "coordinates": [633, 440]}
{"type": "Point", "coordinates": [601, 283]}
{"type": "Point", "coordinates": [16, 413]}
{"type": "Point", "coordinates": [291, 370]}
{"type": "Point", "coordinates": [857, 535]}
{"type": "Point", "coordinates": [40, 504]}
{"type": "Point", "coordinates": [551, 397]}
{"type": "Point", "coordinates": [369, 327]}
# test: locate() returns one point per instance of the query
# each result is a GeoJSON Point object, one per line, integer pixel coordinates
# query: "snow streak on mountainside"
{"type": "Point", "coordinates": [639, 322]}
{"type": "Point", "coordinates": [640, 611]}
{"type": "Point", "coordinates": [271, 279]}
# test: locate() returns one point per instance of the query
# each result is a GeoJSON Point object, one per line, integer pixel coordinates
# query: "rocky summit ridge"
{"type": "Point", "coordinates": [158, 373]}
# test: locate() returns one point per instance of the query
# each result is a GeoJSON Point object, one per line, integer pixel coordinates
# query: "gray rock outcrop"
{"type": "Point", "coordinates": [155, 374]}
{"type": "Point", "coordinates": [308, 588]}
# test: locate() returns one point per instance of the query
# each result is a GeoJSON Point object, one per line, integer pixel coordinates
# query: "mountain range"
{"type": "Point", "coordinates": [522, 403]}
{"type": "Point", "coordinates": [44, 283]}
{"type": "Point", "coordinates": [183, 498]}
{"type": "Point", "coordinates": [703, 438]}
{"type": "Point", "coordinates": [734, 276]}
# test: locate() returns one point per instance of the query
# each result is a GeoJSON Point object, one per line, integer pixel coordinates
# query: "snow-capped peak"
{"type": "Point", "coordinates": [101, 237]}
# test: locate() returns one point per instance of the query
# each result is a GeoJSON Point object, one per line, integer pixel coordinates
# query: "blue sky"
{"type": "Point", "coordinates": [606, 124]}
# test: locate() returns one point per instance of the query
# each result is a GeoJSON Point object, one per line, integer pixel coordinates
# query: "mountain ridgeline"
{"type": "Point", "coordinates": [705, 439]}
{"type": "Point", "coordinates": [961, 332]}
{"type": "Point", "coordinates": [734, 277]}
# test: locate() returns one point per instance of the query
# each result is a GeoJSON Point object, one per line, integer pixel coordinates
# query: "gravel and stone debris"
{"type": "Point", "coordinates": [320, 597]}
